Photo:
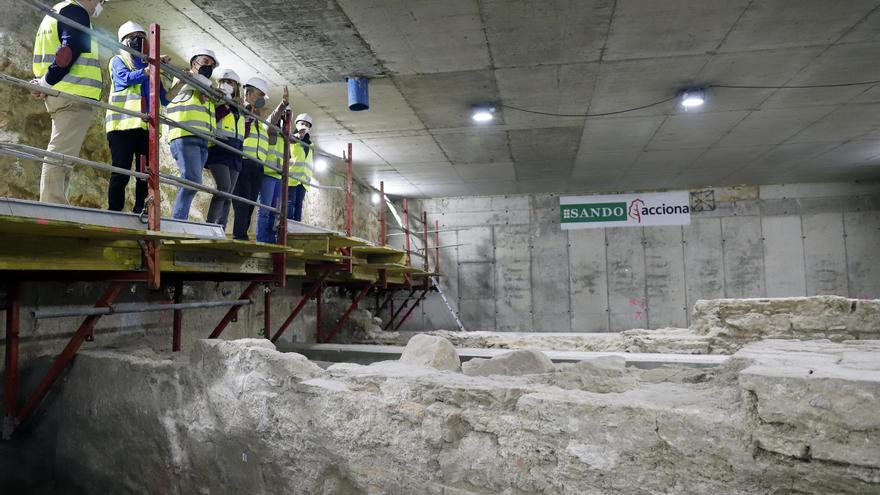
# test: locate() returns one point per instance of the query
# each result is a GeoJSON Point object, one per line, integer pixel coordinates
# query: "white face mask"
{"type": "Point", "coordinates": [302, 128]}
{"type": "Point", "coordinates": [98, 9]}
{"type": "Point", "coordinates": [227, 88]}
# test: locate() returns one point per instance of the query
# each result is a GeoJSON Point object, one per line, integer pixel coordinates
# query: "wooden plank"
{"type": "Point", "coordinates": [58, 228]}
{"type": "Point", "coordinates": [42, 253]}
{"type": "Point", "coordinates": [231, 245]}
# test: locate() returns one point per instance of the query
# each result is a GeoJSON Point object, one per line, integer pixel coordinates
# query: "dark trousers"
{"type": "Point", "coordinates": [225, 177]}
{"type": "Point", "coordinates": [127, 147]}
{"type": "Point", "coordinates": [247, 186]}
{"type": "Point", "coordinates": [295, 203]}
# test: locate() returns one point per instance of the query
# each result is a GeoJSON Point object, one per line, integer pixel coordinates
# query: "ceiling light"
{"type": "Point", "coordinates": [375, 198]}
{"type": "Point", "coordinates": [693, 98]}
{"type": "Point", "coordinates": [483, 113]}
{"type": "Point", "coordinates": [321, 164]}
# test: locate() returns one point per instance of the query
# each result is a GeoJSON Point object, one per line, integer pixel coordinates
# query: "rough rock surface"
{"type": "Point", "coordinates": [513, 363]}
{"type": "Point", "coordinates": [429, 350]}
{"type": "Point", "coordinates": [731, 323]}
{"type": "Point", "coordinates": [239, 417]}
{"type": "Point", "coordinates": [719, 326]}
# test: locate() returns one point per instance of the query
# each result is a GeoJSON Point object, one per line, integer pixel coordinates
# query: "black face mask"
{"type": "Point", "coordinates": [206, 70]}
{"type": "Point", "coordinates": [136, 44]}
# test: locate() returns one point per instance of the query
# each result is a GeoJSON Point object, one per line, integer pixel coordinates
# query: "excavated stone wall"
{"type": "Point", "coordinates": [240, 417]}
{"type": "Point", "coordinates": [720, 326]}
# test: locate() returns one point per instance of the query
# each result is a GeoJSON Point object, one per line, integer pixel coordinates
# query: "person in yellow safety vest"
{"type": "Point", "coordinates": [195, 110]}
{"type": "Point", "coordinates": [127, 136]}
{"type": "Point", "coordinates": [302, 163]}
{"type": "Point", "coordinates": [256, 150]}
{"type": "Point", "coordinates": [299, 179]}
{"type": "Point", "coordinates": [224, 164]}
{"type": "Point", "coordinates": [66, 60]}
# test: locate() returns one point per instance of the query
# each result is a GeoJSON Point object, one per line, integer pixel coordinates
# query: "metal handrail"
{"type": "Point", "coordinates": [175, 71]}
{"type": "Point", "coordinates": [35, 154]}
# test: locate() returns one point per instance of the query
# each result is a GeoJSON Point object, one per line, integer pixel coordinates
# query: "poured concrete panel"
{"type": "Point", "coordinates": [824, 247]}
{"type": "Point", "coordinates": [743, 257]}
{"type": "Point", "coordinates": [664, 274]}
{"type": "Point", "coordinates": [784, 256]}
{"type": "Point", "coordinates": [589, 281]}
{"type": "Point", "coordinates": [477, 245]}
{"type": "Point", "coordinates": [513, 297]}
{"type": "Point", "coordinates": [703, 263]}
{"type": "Point", "coordinates": [549, 272]}
{"type": "Point", "coordinates": [627, 299]}
{"type": "Point", "coordinates": [862, 242]}
{"type": "Point", "coordinates": [478, 314]}
{"type": "Point", "coordinates": [476, 280]}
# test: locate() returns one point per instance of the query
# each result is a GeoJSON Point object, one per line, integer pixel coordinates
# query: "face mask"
{"type": "Point", "coordinates": [260, 103]}
{"type": "Point", "coordinates": [227, 88]}
{"type": "Point", "coordinates": [98, 9]}
{"type": "Point", "coordinates": [136, 44]}
{"type": "Point", "coordinates": [206, 70]}
{"type": "Point", "coordinates": [302, 129]}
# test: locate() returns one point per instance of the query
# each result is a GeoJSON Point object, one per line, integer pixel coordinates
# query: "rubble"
{"type": "Point", "coordinates": [513, 363]}
{"type": "Point", "coordinates": [429, 350]}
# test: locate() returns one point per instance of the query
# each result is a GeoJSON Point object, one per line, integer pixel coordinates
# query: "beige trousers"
{"type": "Point", "coordinates": [70, 124]}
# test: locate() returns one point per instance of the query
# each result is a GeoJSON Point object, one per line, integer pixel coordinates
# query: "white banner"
{"type": "Point", "coordinates": [624, 210]}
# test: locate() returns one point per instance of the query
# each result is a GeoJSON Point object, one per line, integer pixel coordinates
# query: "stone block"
{"type": "Point", "coordinates": [431, 351]}
{"type": "Point", "coordinates": [514, 363]}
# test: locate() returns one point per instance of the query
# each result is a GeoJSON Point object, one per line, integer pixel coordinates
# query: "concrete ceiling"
{"type": "Point", "coordinates": [431, 60]}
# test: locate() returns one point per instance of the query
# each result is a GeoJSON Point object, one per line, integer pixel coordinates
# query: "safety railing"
{"type": "Point", "coordinates": [154, 118]}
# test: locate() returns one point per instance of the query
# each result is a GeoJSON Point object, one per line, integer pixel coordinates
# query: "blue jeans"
{"type": "Point", "coordinates": [190, 153]}
{"type": "Point", "coordinates": [270, 195]}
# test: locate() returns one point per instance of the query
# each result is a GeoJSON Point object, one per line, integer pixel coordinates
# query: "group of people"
{"type": "Point", "coordinates": [66, 60]}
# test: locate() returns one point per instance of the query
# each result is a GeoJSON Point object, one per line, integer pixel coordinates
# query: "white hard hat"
{"type": "Point", "coordinates": [129, 28]}
{"type": "Point", "coordinates": [260, 84]}
{"type": "Point", "coordinates": [204, 51]}
{"type": "Point", "coordinates": [229, 74]}
{"type": "Point", "coordinates": [303, 117]}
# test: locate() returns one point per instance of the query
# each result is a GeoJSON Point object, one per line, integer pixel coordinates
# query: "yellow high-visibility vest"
{"type": "Point", "coordinates": [276, 157]}
{"type": "Point", "coordinates": [187, 109]}
{"type": "Point", "coordinates": [230, 127]}
{"type": "Point", "coordinates": [129, 98]}
{"type": "Point", "coordinates": [84, 78]}
{"type": "Point", "coordinates": [301, 166]}
{"type": "Point", "coordinates": [256, 145]}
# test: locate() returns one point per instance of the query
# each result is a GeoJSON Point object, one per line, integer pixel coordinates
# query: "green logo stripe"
{"type": "Point", "coordinates": [593, 212]}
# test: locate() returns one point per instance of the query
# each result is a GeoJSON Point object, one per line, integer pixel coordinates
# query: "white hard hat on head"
{"type": "Point", "coordinates": [229, 74]}
{"type": "Point", "coordinates": [303, 117]}
{"type": "Point", "coordinates": [129, 28]}
{"type": "Point", "coordinates": [204, 51]}
{"type": "Point", "coordinates": [260, 84]}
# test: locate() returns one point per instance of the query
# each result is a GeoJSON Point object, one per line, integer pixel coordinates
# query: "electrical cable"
{"type": "Point", "coordinates": [587, 115]}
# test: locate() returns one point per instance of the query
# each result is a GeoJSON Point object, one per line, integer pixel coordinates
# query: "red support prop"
{"type": "Point", "coordinates": [411, 309]}
{"type": "Point", "coordinates": [319, 303]}
{"type": "Point", "coordinates": [351, 308]}
{"type": "Point", "coordinates": [13, 306]}
{"type": "Point", "coordinates": [349, 198]}
{"type": "Point", "coordinates": [232, 312]}
{"type": "Point", "coordinates": [407, 276]}
{"type": "Point", "coordinates": [178, 317]}
{"type": "Point", "coordinates": [267, 307]}
{"type": "Point", "coordinates": [280, 259]}
{"type": "Point", "coordinates": [383, 235]}
{"type": "Point", "coordinates": [67, 355]}
{"type": "Point", "coordinates": [436, 246]}
{"type": "Point", "coordinates": [302, 303]}
{"type": "Point", "coordinates": [394, 314]}
{"type": "Point", "coordinates": [425, 224]}
{"type": "Point", "coordinates": [154, 197]}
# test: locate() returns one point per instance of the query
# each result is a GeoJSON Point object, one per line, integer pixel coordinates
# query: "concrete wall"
{"type": "Point", "coordinates": [519, 272]}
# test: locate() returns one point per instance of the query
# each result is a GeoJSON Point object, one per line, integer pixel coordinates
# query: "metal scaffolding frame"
{"type": "Point", "coordinates": [151, 244]}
